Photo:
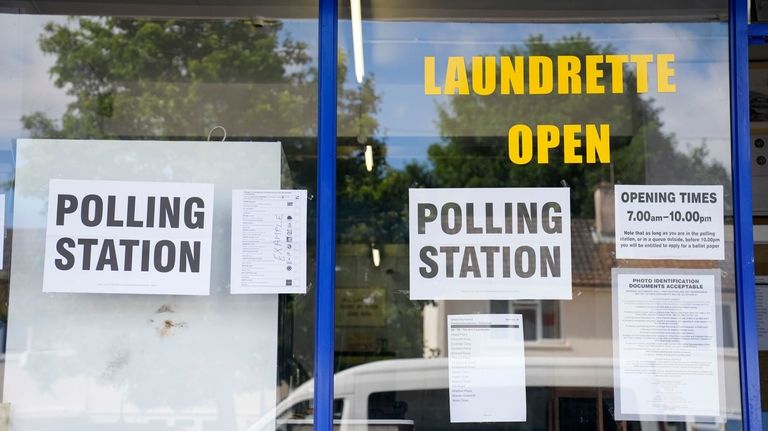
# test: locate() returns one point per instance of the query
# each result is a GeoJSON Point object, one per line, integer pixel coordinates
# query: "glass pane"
{"type": "Point", "coordinates": [577, 414]}
{"type": "Point", "coordinates": [550, 316]}
{"type": "Point", "coordinates": [758, 57]}
{"type": "Point", "coordinates": [429, 96]}
{"type": "Point", "coordinates": [134, 101]}
{"type": "Point", "coordinates": [530, 322]}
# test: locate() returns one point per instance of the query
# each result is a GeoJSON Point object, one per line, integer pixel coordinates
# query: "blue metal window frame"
{"type": "Point", "coordinates": [741, 34]}
{"type": "Point", "coordinates": [326, 214]}
{"type": "Point", "coordinates": [739, 30]}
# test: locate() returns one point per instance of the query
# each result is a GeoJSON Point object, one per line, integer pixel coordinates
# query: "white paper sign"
{"type": "Point", "coordinates": [669, 222]}
{"type": "Point", "coordinates": [666, 338]}
{"type": "Point", "coordinates": [269, 241]}
{"type": "Point", "coordinates": [486, 367]}
{"type": "Point", "coordinates": [503, 243]}
{"type": "Point", "coordinates": [128, 237]}
{"type": "Point", "coordinates": [761, 310]}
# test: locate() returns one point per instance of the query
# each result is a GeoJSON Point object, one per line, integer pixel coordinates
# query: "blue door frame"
{"type": "Point", "coordinates": [741, 34]}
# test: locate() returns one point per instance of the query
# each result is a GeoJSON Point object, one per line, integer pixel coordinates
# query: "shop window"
{"type": "Point", "coordinates": [185, 103]}
{"type": "Point", "coordinates": [456, 129]}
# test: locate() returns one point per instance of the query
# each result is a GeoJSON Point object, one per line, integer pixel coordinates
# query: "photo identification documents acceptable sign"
{"type": "Point", "coordinates": [269, 241]}
{"type": "Point", "coordinates": [666, 340]}
{"type": "Point", "coordinates": [128, 237]}
{"type": "Point", "coordinates": [486, 368]}
{"type": "Point", "coordinates": [492, 243]}
{"type": "Point", "coordinates": [669, 222]}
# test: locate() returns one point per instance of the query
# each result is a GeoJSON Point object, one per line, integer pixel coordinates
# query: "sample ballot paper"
{"type": "Point", "coordinates": [666, 342]}
{"type": "Point", "coordinates": [486, 362]}
{"type": "Point", "coordinates": [269, 241]}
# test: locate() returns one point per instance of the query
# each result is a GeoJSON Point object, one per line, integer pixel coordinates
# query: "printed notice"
{"type": "Point", "coordinates": [128, 237]}
{"type": "Point", "coordinates": [503, 243]}
{"type": "Point", "coordinates": [761, 309]}
{"type": "Point", "coordinates": [666, 338]}
{"type": "Point", "coordinates": [486, 362]}
{"type": "Point", "coordinates": [669, 222]}
{"type": "Point", "coordinates": [269, 241]}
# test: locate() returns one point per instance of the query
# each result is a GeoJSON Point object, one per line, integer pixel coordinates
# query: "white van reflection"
{"type": "Point", "coordinates": [563, 393]}
{"type": "Point", "coordinates": [402, 394]}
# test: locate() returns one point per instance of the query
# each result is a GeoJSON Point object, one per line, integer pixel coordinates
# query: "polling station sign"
{"type": "Point", "coordinates": [128, 237]}
{"type": "Point", "coordinates": [490, 243]}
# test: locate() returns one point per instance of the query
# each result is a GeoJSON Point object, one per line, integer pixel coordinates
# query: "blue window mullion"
{"type": "Point", "coordinates": [742, 209]}
{"type": "Point", "coordinates": [326, 215]}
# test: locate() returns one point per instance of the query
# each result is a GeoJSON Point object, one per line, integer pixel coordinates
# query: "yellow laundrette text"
{"type": "Point", "coordinates": [563, 74]}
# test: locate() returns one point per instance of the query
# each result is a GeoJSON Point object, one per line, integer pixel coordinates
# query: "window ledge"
{"type": "Point", "coordinates": [548, 345]}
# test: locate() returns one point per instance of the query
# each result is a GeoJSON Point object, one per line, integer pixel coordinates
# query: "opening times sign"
{"type": "Point", "coordinates": [669, 222]}
{"type": "Point", "coordinates": [490, 243]}
{"type": "Point", "coordinates": [128, 237]}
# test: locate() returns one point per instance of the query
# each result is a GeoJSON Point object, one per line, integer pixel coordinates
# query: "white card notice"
{"type": "Point", "coordinates": [269, 241]}
{"type": "Point", "coordinates": [128, 237]}
{"type": "Point", "coordinates": [502, 243]}
{"type": "Point", "coordinates": [665, 340]}
{"type": "Point", "coordinates": [669, 222]}
{"type": "Point", "coordinates": [486, 361]}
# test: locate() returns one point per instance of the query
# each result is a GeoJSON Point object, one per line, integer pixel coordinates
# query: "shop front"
{"type": "Point", "coordinates": [383, 216]}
